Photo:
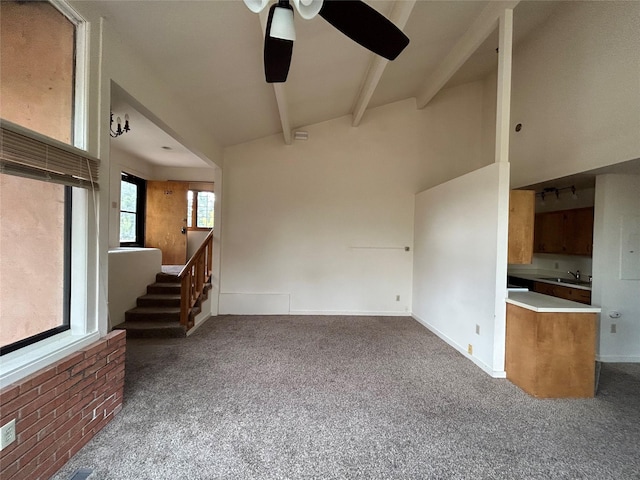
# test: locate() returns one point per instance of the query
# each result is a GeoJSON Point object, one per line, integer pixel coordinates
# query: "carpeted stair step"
{"type": "Point", "coordinates": [159, 300]}
{"type": "Point", "coordinates": [152, 314]}
{"type": "Point", "coordinates": [163, 288]}
{"type": "Point", "coordinates": [161, 329]}
{"type": "Point", "coordinates": [167, 278]}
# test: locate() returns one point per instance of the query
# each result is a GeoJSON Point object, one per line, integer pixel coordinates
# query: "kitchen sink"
{"type": "Point", "coordinates": [570, 281]}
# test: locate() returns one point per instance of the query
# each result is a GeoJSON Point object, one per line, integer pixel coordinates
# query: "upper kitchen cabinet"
{"type": "Point", "coordinates": [568, 232]}
{"type": "Point", "coordinates": [521, 222]}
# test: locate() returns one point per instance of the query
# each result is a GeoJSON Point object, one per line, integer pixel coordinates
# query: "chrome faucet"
{"type": "Point", "coordinates": [575, 275]}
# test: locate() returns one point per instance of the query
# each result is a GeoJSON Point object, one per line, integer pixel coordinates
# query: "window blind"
{"type": "Point", "coordinates": [25, 153]}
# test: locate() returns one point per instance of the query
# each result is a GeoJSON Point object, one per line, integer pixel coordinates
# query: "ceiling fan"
{"type": "Point", "coordinates": [357, 20]}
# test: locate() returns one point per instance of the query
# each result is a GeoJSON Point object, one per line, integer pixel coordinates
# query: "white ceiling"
{"type": "Point", "coordinates": [210, 54]}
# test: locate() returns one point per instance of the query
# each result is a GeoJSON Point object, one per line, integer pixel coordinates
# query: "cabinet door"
{"type": "Point", "coordinates": [578, 231]}
{"type": "Point", "coordinates": [521, 220]}
{"type": "Point", "coordinates": [548, 235]}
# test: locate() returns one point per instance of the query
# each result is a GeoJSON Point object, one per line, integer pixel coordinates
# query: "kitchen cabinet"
{"type": "Point", "coordinates": [568, 293]}
{"type": "Point", "coordinates": [551, 354]}
{"type": "Point", "coordinates": [568, 232]}
{"type": "Point", "coordinates": [521, 226]}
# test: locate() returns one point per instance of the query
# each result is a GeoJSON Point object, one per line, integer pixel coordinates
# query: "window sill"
{"type": "Point", "coordinates": [16, 365]}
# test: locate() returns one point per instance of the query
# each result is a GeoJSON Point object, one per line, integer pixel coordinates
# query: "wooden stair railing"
{"type": "Point", "coordinates": [194, 278]}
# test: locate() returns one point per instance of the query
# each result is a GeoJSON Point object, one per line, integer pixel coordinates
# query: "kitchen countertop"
{"type": "Point", "coordinates": [543, 277]}
{"type": "Point", "coordinates": [546, 303]}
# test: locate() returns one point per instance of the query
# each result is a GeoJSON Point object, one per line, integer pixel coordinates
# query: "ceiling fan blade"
{"type": "Point", "coordinates": [277, 54]}
{"type": "Point", "coordinates": [364, 25]}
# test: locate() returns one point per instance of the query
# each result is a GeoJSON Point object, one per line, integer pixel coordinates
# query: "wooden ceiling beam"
{"type": "Point", "coordinates": [399, 16]}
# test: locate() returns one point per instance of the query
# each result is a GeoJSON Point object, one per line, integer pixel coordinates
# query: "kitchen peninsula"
{"type": "Point", "coordinates": [550, 345]}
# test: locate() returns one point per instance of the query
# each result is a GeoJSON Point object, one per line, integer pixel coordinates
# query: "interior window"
{"type": "Point", "coordinates": [132, 210]}
{"type": "Point", "coordinates": [200, 208]}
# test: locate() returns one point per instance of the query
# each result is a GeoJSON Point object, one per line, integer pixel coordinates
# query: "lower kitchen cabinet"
{"type": "Point", "coordinates": [551, 354]}
{"type": "Point", "coordinates": [568, 293]}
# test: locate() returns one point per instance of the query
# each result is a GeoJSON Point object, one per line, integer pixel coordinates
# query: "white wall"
{"type": "Point", "coordinates": [130, 271]}
{"type": "Point", "coordinates": [459, 274]}
{"type": "Point", "coordinates": [576, 92]}
{"type": "Point", "coordinates": [322, 224]}
{"type": "Point", "coordinates": [616, 271]}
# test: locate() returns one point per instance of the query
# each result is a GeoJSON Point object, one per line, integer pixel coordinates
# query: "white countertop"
{"type": "Point", "coordinates": [546, 303]}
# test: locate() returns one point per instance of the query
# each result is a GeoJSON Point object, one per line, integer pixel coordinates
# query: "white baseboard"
{"type": "Point", "coordinates": [618, 358]}
{"type": "Point", "coordinates": [483, 366]}
{"type": "Point", "coordinates": [355, 313]}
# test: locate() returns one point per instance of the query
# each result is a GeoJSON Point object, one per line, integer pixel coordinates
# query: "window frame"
{"type": "Point", "coordinates": [66, 288]}
{"type": "Point", "coordinates": [141, 202]}
{"type": "Point", "coordinates": [86, 313]}
{"type": "Point", "coordinates": [194, 212]}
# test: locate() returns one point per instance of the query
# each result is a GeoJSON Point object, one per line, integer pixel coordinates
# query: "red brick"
{"type": "Point", "coordinates": [8, 393]}
{"type": "Point", "coordinates": [116, 336]}
{"type": "Point", "coordinates": [57, 465]}
{"type": "Point", "coordinates": [10, 409]}
{"type": "Point", "coordinates": [80, 367]}
{"type": "Point", "coordinates": [79, 407]}
{"type": "Point", "coordinates": [67, 385]}
{"type": "Point", "coordinates": [88, 410]}
{"type": "Point", "coordinates": [104, 371]}
{"type": "Point", "coordinates": [67, 426]}
{"type": "Point", "coordinates": [35, 428]}
{"type": "Point", "coordinates": [54, 382]}
{"type": "Point", "coordinates": [118, 408]}
{"type": "Point", "coordinates": [81, 386]}
{"type": "Point", "coordinates": [10, 471]}
{"type": "Point", "coordinates": [37, 403]}
{"type": "Point", "coordinates": [36, 379]}
{"type": "Point", "coordinates": [68, 362]}
{"type": "Point", "coordinates": [94, 348]}
{"type": "Point", "coordinates": [115, 374]}
{"type": "Point", "coordinates": [81, 443]}
{"type": "Point", "coordinates": [53, 425]}
{"type": "Point", "coordinates": [9, 455]}
{"type": "Point", "coordinates": [115, 355]}
{"type": "Point", "coordinates": [92, 369]}
{"type": "Point", "coordinates": [37, 449]}
{"type": "Point", "coordinates": [95, 389]}
{"type": "Point", "coordinates": [26, 422]}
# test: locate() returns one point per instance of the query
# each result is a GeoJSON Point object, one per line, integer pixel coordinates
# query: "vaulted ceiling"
{"type": "Point", "coordinates": [210, 55]}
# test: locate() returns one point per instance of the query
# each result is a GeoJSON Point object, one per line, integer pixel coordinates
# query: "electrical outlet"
{"type": "Point", "coordinates": [397, 298]}
{"type": "Point", "coordinates": [470, 349]}
{"type": "Point", "coordinates": [613, 328]}
{"type": "Point", "coordinates": [8, 434]}
{"type": "Point", "coordinates": [477, 329]}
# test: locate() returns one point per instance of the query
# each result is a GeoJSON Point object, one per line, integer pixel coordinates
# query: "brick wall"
{"type": "Point", "coordinates": [61, 407]}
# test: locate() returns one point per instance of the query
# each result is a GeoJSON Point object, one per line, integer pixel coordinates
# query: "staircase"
{"type": "Point", "coordinates": [158, 312]}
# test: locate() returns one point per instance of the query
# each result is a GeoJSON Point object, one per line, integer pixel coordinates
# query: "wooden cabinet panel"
{"type": "Point", "coordinates": [567, 232]}
{"type": "Point", "coordinates": [568, 293]}
{"type": "Point", "coordinates": [521, 226]}
{"type": "Point", "coordinates": [548, 236]}
{"type": "Point", "coordinates": [578, 231]}
{"type": "Point", "coordinates": [551, 355]}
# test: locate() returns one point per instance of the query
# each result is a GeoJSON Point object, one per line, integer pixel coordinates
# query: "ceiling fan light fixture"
{"type": "Point", "coordinates": [256, 6]}
{"type": "Point", "coordinates": [308, 8]}
{"type": "Point", "coordinates": [282, 24]}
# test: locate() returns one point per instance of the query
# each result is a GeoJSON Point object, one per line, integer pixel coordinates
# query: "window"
{"type": "Point", "coordinates": [200, 210]}
{"type": "Point", "coordinates": [40, 286]}
{"type": "Point", "coordinates": [132, 210]}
